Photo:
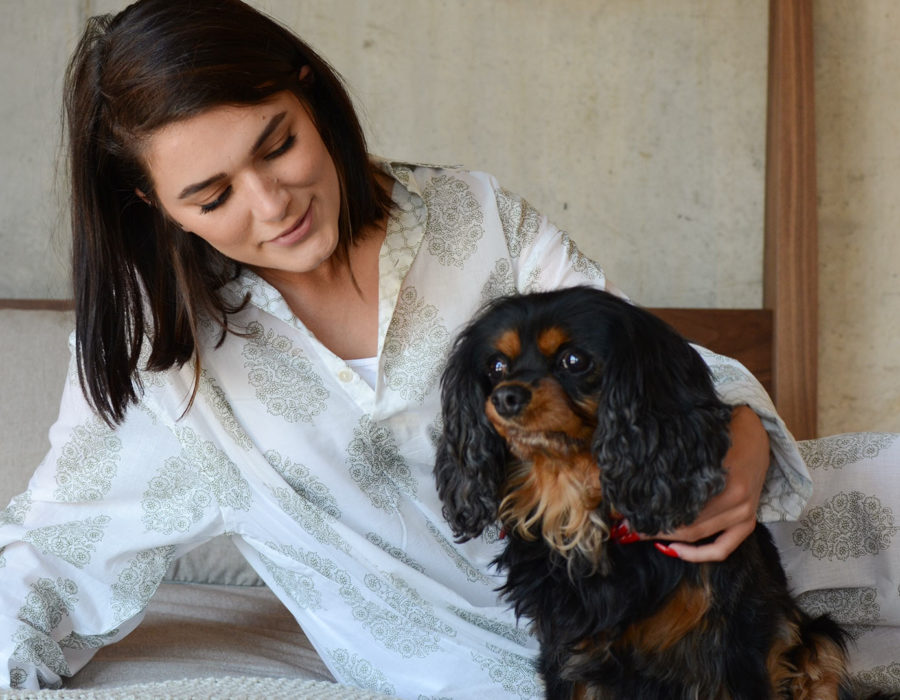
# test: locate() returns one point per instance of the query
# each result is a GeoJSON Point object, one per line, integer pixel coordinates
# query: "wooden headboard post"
{"type": "Point", "coordinates": [790, 286]}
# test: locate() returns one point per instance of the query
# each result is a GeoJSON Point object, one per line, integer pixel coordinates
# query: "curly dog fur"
{"type": "Point", "coordinates": [565, 412]}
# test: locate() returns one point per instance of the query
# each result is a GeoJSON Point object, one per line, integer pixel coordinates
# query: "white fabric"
{"type": "Point", "coordinates": [366, 368]}
{"type": "Point", "coordinates": [324, 483]}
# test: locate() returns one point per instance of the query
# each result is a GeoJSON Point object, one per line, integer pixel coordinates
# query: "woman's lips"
{"type": "Point", "coordinates": [297, 232]}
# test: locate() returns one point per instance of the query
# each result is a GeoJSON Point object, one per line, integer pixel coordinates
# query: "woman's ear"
{"type": "Point", "coordinates": [143, 197]}
{"type": "Point", "coordinates": [305, 75]}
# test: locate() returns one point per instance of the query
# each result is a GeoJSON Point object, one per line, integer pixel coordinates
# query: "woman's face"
{"type": "Point", "coordinates": [256, 182]}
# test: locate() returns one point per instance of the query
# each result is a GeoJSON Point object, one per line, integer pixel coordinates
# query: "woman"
{"type": "Point", "coordinates": [261, 316]}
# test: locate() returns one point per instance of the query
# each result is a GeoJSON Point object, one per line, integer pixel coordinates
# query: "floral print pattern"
{"type": "Point", "coordinates": [324, 482]}
{"type": "Point", "coordinates": [290, 388]}
{"type": "Point", "coordinates": [848, 526]}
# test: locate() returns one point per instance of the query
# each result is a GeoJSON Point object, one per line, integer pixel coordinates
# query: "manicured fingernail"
{"type": "Point", "coordinates": [667, 550]}
{"type": "Point", "coordinates": [502, 535]}
{"type": "Point", "coordinates": [622, 534]}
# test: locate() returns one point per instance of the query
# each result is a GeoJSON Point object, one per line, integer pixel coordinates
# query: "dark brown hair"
{"type": "Point", "coordinates": [138, 278]}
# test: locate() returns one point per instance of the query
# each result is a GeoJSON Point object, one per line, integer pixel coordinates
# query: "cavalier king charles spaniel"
{"type": "Point", "coordinates": [569, 413]}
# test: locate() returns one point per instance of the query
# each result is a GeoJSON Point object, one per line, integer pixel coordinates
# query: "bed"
{"type": "Point", "coordinates": [214, 629]}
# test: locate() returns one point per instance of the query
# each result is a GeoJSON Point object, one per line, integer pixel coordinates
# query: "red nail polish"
{"type": "Point", "coordinates": [667, 550]}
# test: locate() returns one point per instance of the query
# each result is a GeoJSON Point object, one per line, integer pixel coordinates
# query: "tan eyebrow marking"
{"type": "Point", "coordinates": [509, 344]}
{"type": "Point", "coordinates": [551, 339]}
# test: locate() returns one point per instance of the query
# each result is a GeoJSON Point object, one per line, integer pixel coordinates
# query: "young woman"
{"type": "Point", "coordinates": [262, 313]}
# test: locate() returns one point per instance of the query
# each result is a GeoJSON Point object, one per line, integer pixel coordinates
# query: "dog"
{"type": "Point", "coordinates": [569, 413]}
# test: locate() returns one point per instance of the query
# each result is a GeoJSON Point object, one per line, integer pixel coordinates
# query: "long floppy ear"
{"type": "Point", "coordinates": [471, 456]}
{"type": "Point", "coordinates": [662, 430]}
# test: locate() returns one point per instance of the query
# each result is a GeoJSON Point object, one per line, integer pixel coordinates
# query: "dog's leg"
{"type": "Point", "coordinates": [808, 660]}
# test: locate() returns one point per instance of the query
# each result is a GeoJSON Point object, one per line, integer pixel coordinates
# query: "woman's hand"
{"type": "Point", "coordinates": [732, 513]}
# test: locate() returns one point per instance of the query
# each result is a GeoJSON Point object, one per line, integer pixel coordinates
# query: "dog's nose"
{"type": "Point", "coordinates": [510, 400]}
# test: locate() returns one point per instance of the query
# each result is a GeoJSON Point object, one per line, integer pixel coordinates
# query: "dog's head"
{"type": "Point", "coordinates": [563, 407]}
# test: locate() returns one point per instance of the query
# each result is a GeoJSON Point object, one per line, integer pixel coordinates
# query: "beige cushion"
{"type": "Point", "coordinates": [34, 357]}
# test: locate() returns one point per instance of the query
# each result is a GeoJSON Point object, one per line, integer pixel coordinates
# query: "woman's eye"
{"type": "Point", "coordinates": [497, 368]}
{"type": "Point", "coordinates": [217, 202]}
{"type": "Point", "coordinates": [574, 361]}
{"type": "Point", "coordinates": [283, 148]}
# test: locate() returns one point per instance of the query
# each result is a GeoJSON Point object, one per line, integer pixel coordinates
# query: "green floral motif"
{"type": "Point", "coordinates": [88, 641]}
{"type": "Point", "coordinates": [837, 451]}
{"type": "Point", "coordinates": [375, 463]}
{"type": "Point", "coordinates": [533, 281]}
{"type": "Point", "coordinates": [300, 587]}
{"type": "Point", "coordinates": [514, 673]}
{"type": "Point", "coordinates": [405, 600]}
{"type": "Point", "coordinates": [521, 222]}
{"type": "Point", "coordinates": [500, 282]}
{"type": "Point", "coordinates": [48, 602]}
{"type": "Point", "coordinates": [218, 402]}
{"type": "Point", "coordinates": [285, 380]}
{"type": "Point", "coordinates": [390, 629]}
{"type": "Point", "coordinates": [885, 678]}
{"type": "Point", "coordinates": [463, 564]}
{"type": "Point", "coordinates": [850, 525]}
{"type": "Point", "coordinates": [36, 648]}
{"type": "Point", "coordinates": [580, 262]}
{"type": "Point", "coordinates": [15, 512]}
{"type": "Point", "coordinates": [455, 220]}
{"type": "Point", "coordinates": [73, 542]}
{"type": "Point", "coordinates": [404, 232]}
{"type": "Point", "coordinates": [17, 678]}
{"type": "Point", "coordinates": [856, 609]}
{"type": "Point", "coordinates": [305, 483]}
{"type": "Point", "coordinates": [88, 463]}
{"type": "Point", "coordinates": [186, 486]}
{"type": "Point", "coordinates": [395, 552]}
{"type": "Point", "coordinates": [361, 673]}
{"type": "Point", "coordinates": [501, 629]}
{"type": "Point", "coordinates": [138, 581]}
{"type": "Point", "coordinates": [310, 517]}
{"type": "Point", "coordinates": [415, 347]}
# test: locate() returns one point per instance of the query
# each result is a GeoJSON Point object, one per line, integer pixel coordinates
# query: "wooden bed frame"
{"type": "Point", "coordinates": [778, 342]}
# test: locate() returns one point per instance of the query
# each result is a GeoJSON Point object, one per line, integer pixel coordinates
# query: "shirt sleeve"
{"type": "Point", "coordinates": [83, 549]}
{"type": "Point", "coordinates": [547, 258]}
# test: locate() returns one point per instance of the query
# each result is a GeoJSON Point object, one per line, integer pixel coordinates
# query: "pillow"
{"type": "Point", "coordinates": [843, 554]}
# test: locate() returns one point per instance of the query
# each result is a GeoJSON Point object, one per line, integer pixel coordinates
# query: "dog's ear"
{"type": "Point", "coordinates": [471, 456]}
{"type": "Point", "coordinates": [662, 431]}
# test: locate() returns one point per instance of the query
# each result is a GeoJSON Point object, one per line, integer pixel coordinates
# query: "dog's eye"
{"type": "Point", "coordinates": [574, 361]}
{"type": "Point", "coordinates": [497, 368]}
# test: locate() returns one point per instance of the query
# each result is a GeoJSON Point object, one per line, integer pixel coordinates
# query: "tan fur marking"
{"type": "Point", "coordinates": [509, 344]}
{"type": "Point", "coordinates": [557, 499]}
{"type": "Point", "coordinates": [548, 412]}
{"type": "Point", "coordinates": [682, 614]}
{"type": "Point", "coordinates": [819, 671]}
{"type": "Point", "coordinates": [551, 339]}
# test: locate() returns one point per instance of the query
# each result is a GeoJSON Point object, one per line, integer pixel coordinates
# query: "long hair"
{"type": "Point", "coordinates": [137, 276]}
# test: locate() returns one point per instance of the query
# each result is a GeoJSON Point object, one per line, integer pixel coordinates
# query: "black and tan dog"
{"type": "Point", "coordinates": [565, 412]}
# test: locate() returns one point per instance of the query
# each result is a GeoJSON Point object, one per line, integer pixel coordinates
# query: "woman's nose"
{"type": "Point", "coordinates": [270, 198]}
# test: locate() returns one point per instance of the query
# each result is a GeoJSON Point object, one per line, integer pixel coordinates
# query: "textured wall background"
{"type": "Point", "coordinates": [637, 125]}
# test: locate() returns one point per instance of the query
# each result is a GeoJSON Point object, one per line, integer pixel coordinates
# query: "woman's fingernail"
{"type": "Point", "coordinates": [622, 534]}
{"type": "Point", "coordinates": [667, 550]}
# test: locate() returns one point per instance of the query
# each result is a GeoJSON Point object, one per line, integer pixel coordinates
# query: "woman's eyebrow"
{"type": "Point", "coordinates": [270, 127]}
{"type": "Point", "coordinates": [261, 139]}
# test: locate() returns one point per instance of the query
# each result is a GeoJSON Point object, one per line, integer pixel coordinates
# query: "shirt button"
{"type": "Point", "coordinates": [345, 375]}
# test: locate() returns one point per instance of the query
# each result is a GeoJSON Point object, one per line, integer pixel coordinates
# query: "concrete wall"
{"type": "Point", "coordinates": [637, 125]}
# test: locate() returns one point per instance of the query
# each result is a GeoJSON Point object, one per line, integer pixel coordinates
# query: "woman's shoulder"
{"type": "Point", "coordinates": [420, 176]}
